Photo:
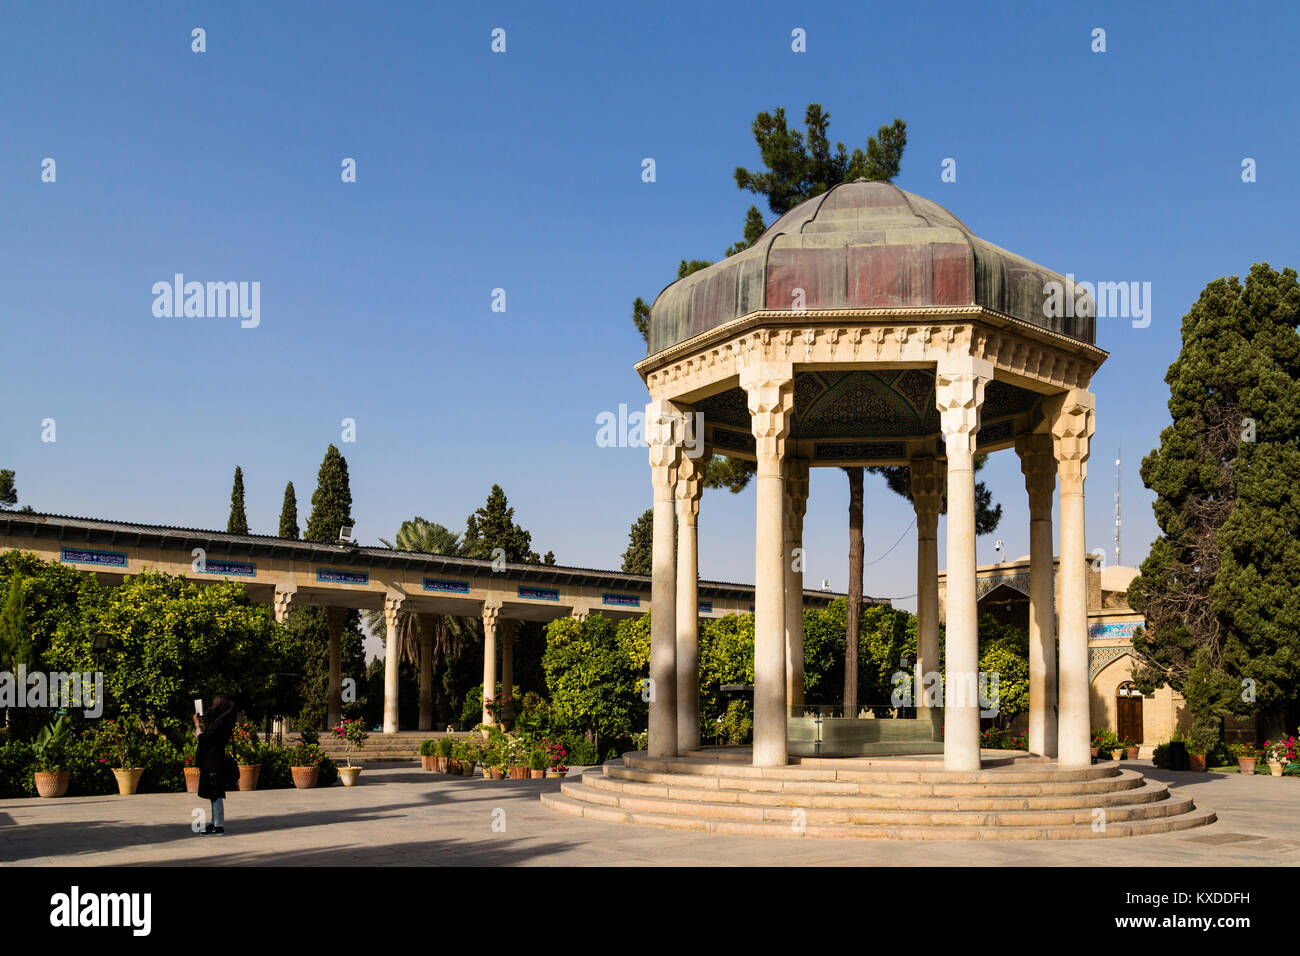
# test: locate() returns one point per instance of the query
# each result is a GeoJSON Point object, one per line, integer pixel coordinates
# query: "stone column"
{"type": "Point", "coordinates": [426, 624]}
{"type": "Point", "coordinates": [796, 505]}
{"type": "Point", "coordinates": [1038, 462]}
{"type": "Point", "coordinates": [927, 496]}
{"type": "Point", "coordinates": [508, 667]}
{"type": "Point", "coordinates": [491, 621]}
{"type": "Point", "coordinates": [580, 614]}
{"type": "Point", "coordinates": [959, 392]}
{"type": "Point", "coordinates": [771, 399]}
{"type": "Point", "coordinates": [690, 486]}
{"type": "Point", "coordinates": [392, 608]}
{"type": "Point", "coordinates": [663, 434]}
{"type": "Point", "coordinates": [334, 617]}
{"type": "Point", "coordinates": [1072, 417]}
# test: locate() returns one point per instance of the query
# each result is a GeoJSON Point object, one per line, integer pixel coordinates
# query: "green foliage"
{"type": "Point", "coordinates": [1220, 589]}
{"type": "Point", "coordinates": [238, 522]}
{"type": "Point", "coordinates": [536, 760]}
{"type": "Point", "coordinates": [1204, 737]}
{"type": "Point", "coordinates": [17, 764]}
{"type": "Point", "coordinates": [726, 657]}
{"type": "Point", "coordinates": [472, 709]}
{"type": "Point", "coordinates": [493, 526]}
{"type": "Point", "coordinates": [428, 747]}
{"type": "Point", "coordinates": [306, 652]}
{"type": "Point", "coordinates": [8, 493]}
{"type": "Point", "coordinates": [305, 755]}
{"type": "Point", "coordinates": [331, 502]}
{"type": "Point", "coordinates": [640, 548]}
{"type": "Point", "coordinates": [1004, 652]}
{"type": "Point", "coordinates": [51, 744]}
{"type": "Point", "coordinates": [594, 686]}
{"type": "Point", "coordinates": [289, 514]}
{"type": "Point", "coordinates": [445, 746]}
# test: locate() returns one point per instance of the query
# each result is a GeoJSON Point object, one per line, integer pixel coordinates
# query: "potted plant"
{"type": "Point", "coordinates": [1120, 748]}
{"type": "Point", "coordinates": [304, 765]}
{"type": "Point", "coordinates": [353, 734]}
{"type": "Point", "coordinates": [556, 754]}
{"type": "Point", "coordinates": [427, 748]}
{"type": "Point", "coordinates": [442, 759]}
{"type": "Point", "coordinates": [468, 752]}
{"type": "Point", "coordinates": [123, 737]}
{"type": "Point", "coordinates": [50, 776]}
{"type": "Point", "coordinates": [1278, 753]}
{"type": "Point", "coordinates": [1098, 737]}
{"type": "Point", "coordinates": [192, 772]}
{"type": "Point", "coordinates": [244, 741]}
{"type": "Point", "coordinates": [1203, 739]}
{"type": "Point", "coordinates": [1247, 756]}
{"type": "Point", "coordinates": [536, 764]}
{"type": "Point", "coordinates": [1133, 750]}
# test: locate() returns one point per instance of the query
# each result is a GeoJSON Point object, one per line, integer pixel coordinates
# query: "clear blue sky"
{"type": "Point", "coordinates": [522, 171]}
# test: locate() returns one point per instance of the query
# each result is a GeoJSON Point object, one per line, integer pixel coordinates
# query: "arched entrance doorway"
{"type": "Point", "coordinates": [1128, 712]}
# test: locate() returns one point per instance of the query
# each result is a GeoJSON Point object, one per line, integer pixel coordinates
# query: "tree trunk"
{"type": "Point", "coordinates": [854, 615]}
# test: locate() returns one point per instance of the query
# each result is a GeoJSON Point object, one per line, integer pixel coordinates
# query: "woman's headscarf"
{"type": "Point", "coordinates": [221, 722]}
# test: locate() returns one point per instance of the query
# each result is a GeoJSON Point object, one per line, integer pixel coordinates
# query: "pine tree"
{"type": "Point", "coordinates": [493, 526]}
{"type": "Point", "coordinates": [331, 502]}
{"type": "Point", "coordinates": [640, 549]}
{"type": "Point", "coordinates": [9, 494]}
{"type": "Point", "coordinates": [238, 523]}
{"type": "Point", "coordinates": [289, 514]}
{"type": "Point", "coordinates": [1220, 590]}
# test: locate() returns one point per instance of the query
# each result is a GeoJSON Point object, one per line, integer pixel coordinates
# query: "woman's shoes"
{"type": "Point", "coordinates": [210, 830]}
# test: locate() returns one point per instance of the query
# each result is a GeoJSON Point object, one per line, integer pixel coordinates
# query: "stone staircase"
{"type": "Point", "coordinates": [876, 798]}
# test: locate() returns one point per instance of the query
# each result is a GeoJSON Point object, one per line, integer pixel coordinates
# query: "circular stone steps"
{"type": "Point", "coordinates": [1009, 802]}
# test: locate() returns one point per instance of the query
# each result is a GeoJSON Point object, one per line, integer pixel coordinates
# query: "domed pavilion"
{"type": "Point", "coordinates": [870, 326]}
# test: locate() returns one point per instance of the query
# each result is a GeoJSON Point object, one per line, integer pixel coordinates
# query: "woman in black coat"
{"type": "Point", "coordinates": [214, 736]}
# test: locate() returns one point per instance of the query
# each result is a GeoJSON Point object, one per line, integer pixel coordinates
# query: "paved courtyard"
{"type": "Point", "coordinates": [403, 816]}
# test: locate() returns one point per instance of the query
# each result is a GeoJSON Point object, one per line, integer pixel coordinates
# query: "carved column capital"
{"type": "Point", "coordinates": [689, 488]}
{"type": "Point", "coordinates": [665, 428]}
{"type": "Point", "coordinates": [928, 481]}
{"type": "Point", "coordinates": [282, 602]}
{"type": "Point", "coordinates": [1038, 463]}
{"type": "Point", "coordinates": [393, 604]}
{"type": "Point", "coordinates": [491, 616]}
{"type": "Point", "coordinates": [1073, 418]}
{"type": "Point", "coordinates": [770, 386]}
{"type": "Point", "coordinates": [959, 393]}
{"type": "Point", "coordinates": [796, 494]}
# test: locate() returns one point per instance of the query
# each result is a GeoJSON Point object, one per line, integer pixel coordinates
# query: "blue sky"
{"type": "Point", "coordinates": [522, 171]}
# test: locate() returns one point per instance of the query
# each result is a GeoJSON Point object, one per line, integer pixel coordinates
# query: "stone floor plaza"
{"type": "Point", "coordinates": [402, 816]}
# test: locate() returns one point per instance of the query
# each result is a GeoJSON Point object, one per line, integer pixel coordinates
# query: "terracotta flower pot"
{"type": "Point", "coordinates": [453, 765]}
{"type": "Point", "coordinates": [349, 775]}
{"type": "Point", "coordinates": [1275, 767]}
{"type": "Point", "coordinates": [424, 762]}
{"type": "Point", "coordinates": [304, 778]}
{"type": "Point", "coordinates": [440, 764]}
{"type": "Point", "coordinates": [192, 775]}
{"type": "Point", "coordinates": [536, 774]}
{"type": "Point", "coordinates": [518, 773]}
{"type": "Point", "coordinates": [52, 784]}
{"type": "Point", "coordinates": [128, 780]}
{"type": "Point", "coordinates": [1133, 752]}
{"type": "Point", "coordinates": [1246, 765]}
{"type": "Point", "coordinates": [1096, 751]}
{"type": "Point", "coordinates": [248, 775]}
{"type": "Point", "coordinates": [1196, 762]}
{"type": "Point", "coordinates": [495, 773]}
{"type": "Point", "coordinates": [467, 767]}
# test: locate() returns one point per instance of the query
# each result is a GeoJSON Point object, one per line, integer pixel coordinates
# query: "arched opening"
{"type": "Point", "coordinates": [1128, 712]}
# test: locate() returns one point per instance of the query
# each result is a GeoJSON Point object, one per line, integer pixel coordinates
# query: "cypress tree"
{"type": "Point", "coordinates": [289, 513]}
{"type": "Point", "coordinates": [493, 526]}
{"type": "Point", "coordinates": [238, 523]}
{"type": "Point", "coordinates": [331, 502]}
{"type": "Point", "coordinates": [1220, 589]}
{"type": "Point", "coordinates": [638, 557]}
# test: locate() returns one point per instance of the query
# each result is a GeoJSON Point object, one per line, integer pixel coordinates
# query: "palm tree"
{"type": "Point", "coordinates": [423, 537]}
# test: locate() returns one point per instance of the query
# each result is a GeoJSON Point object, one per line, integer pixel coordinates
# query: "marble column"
{"type": "Point", "coordinates": [1072, 417]}
{"type": "Point", "coordinates": [392, 609]}
{"type": "Point", "coordinates": [959, 392]}
{"type": "Point", "coordinates": [491, 623]}
{"type": "Point", "coordinates": [770, 386]}
{"type": "Point", "coordinates": [508, 628]}
{"type": "Point", "coordinates": [927, 497]}
{"type": "Point", "coordinates": [1038, 462]}
{"type": "Point", "coordinates": [426, 624]}
{"type": "Point", "coordinates": [663, 435]}
{"type": "Point", "coordinates": [334, 618]}
{"type": "Point", "coordinates": [690, 486]}
{"type": "Point", "coordinates": [796, 506]}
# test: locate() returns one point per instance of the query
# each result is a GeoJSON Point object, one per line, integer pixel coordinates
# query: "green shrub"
{"type": "Point", "coordinates": [471, 711]}
{"type": "Point", "coordinates": [537, 760]}
{"type": "Point", "coordinates": [446, 746]}
{"type": "Point", "coordinates": [163, 767]}
{"type": "Point", "coordinates": [275, 774]}
{"type": "Point", "coordinates": [427, 747]}
{"type": "Point", "coordinates": [329, 772]}
{"type": "Point", "coordinates": [17, 763]}
{"type": "Point", "coordinates": [1160, 756]}
{"type": "Point", "coordinates": [582, 752]}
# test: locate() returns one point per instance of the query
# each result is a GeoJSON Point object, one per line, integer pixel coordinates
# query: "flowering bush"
{"type": "Point", "coordinates": [244, 740]}
{"type": "Point", "coordinates": [353, 733]}
{"type": "Point", "coordinates": [1246, 750]}
{"type": "Point", "coordinates": [305, 755]}
{"type": "Point", "coordinates": [995, 739]}
{"type": "Point", "coordinates": [1280, 751]}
